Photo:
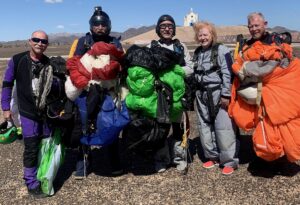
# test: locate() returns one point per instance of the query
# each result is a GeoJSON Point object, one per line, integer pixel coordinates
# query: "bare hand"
{"type": "Point", "coordinates": [224, 103]}
{"type": "Point", "coordinates": [7, 115]}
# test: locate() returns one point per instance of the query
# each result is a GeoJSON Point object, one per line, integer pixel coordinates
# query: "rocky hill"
{"type": "Point", "coordinates": [68, 38]}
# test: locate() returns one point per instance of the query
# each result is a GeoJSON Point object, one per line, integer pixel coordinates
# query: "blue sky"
{"type": "Point", "coordinates": [20, 17]}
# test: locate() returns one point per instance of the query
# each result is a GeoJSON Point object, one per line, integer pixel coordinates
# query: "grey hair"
{"type": "Point", "coordinates": [251, 15]}
{"type": "Point", "coordinates": [40, 31]}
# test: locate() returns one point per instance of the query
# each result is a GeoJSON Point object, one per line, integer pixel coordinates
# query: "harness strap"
{"type": "Point", "coordinates": [73, 48]}
{"type": "Point", "coordinates": [202, 72]}
{"type": "Point", "coordinates": [213, 60]}
{"type": "Point", "coordinates": [204, 87]}
{"type": "Point", "coordinates": [259, 92]}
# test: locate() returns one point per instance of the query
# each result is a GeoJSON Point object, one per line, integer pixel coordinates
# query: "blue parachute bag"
{"type": "Point", "coordinates": [110, 121]}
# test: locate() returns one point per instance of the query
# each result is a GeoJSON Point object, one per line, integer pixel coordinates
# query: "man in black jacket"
{"type": "Point", "coordinates": [26, 70]}
{"type": "Point", "coordinates": [100, 27]}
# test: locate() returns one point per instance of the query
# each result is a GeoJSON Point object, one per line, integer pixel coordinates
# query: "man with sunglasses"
{"type": "Point", "coordinates": [100, 27]}
{"type": "Point", "coordinates": [166, 30]}
{"type": "Point", "coordinates": [24, 69]}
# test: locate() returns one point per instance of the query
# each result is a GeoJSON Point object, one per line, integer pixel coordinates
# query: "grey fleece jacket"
{"type": "Point", "coordinates": [214, 78]}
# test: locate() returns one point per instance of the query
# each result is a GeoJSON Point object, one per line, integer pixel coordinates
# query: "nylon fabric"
{"type": "Point", "coordinates": [110, 121]}
{"type": "Point", "coordinates": [276, 130]}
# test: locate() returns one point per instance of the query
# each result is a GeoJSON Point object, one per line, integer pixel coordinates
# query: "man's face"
{"type": "Point", "coordinates": [257, 26]}
{"type": "Point", "coordinates": [38, 42]}
{"type": "Point", "coordinates": [166, 29]}
{"type": "Point", "coordinates": [100, 29]}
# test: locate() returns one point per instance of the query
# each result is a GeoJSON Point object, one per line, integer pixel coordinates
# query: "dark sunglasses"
{"type": "Point", "coordinates": [37, 40]}
{"type": "Point", "coordinates": [96, 24]}
{"type": "Point", "coordinates": [164, 26]}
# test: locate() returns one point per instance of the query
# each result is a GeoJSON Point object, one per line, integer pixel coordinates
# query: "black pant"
{"type": "Point", "coordinates": [113, 154]}
{"type": "Point", "coordinates": [31, 151]}
{"type": "Point", "coordinates": [177, 131]}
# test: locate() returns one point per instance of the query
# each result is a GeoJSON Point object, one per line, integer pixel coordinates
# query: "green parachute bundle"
{"type": "Point", "coordinates": [142, 95]}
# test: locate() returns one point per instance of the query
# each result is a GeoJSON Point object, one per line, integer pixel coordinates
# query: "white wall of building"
{"type": "Point", "coordinates": [190, 18]}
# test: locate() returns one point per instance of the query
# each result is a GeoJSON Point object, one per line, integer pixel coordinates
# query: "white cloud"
{"type": "Point", "coordinates": [60, 26]}
{"type": "Point", "coordinates": [53, 1]}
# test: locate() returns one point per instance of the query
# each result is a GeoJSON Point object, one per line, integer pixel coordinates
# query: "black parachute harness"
{"type": "Point", "coordinates": [203, 86]}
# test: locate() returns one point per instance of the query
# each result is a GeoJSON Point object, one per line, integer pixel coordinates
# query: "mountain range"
{"type": "Point", "coordinates": [68, 38]}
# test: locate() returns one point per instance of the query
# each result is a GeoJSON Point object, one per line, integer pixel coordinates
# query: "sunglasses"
{"type": "Point", "coordinates": [37, 40]}
{"type": "Point", "coordinates": [164, 26]}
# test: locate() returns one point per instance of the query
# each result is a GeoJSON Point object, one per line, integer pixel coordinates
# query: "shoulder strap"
{"type": "Point", "coordinates": [73, 48]}
{"type": "Point", "coordinates": [240, 42]}
{"type": "Point", "coordinates": [116, 42]}
{"type": "Point", "coordinates": [214, 56]}
{"type": "Point", "coordinates": [154, 44]}
{"type": "Point", "coordinates": [196, 54]}
{"type": "Point", "coordinates": [178, 47]}
{"type": "Point", "coordinates": [87, 41]}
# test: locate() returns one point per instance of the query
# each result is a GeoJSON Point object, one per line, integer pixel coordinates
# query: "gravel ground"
{"type": "Point", "coordinates": [252, 183]}
{"type": "Point", "coordinates": [273, 183]}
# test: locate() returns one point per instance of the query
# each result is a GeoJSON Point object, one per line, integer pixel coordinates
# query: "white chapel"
{"type": "Point", "coordinates": [190, 18]}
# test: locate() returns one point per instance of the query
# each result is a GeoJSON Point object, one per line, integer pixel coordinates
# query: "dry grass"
{"type": "Point", "coordinates": [51, 51]}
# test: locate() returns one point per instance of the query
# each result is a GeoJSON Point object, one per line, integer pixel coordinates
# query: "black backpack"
{"type": "Point", "coordinates": [60, 111]}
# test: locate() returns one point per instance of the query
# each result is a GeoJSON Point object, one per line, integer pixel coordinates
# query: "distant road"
{"type": "Point", "coordinates": [191, 49]}
{"type": "Point", "coordinates": [6, 59]}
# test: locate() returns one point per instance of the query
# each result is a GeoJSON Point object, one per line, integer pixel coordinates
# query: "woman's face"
{"type": "Point", "coordinates": [204, 37]}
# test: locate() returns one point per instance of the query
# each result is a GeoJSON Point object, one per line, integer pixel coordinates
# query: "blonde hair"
{"type": "Point", "coordinates": [203, 24]}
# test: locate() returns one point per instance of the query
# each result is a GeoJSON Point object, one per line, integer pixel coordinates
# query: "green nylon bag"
{"type": "Point", "coordinates": [140, 81]}
{"type": "Point", "coordinates": [142, 95]}
{"type": "Point", "coordinates": [174, 77]}
{"type": "Point", "coordinates": [146, 105]}
{"type": "Point", "coordinates": [51, 157]}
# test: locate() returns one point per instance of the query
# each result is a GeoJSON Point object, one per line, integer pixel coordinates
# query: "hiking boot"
{"type": "Point", "coordinates": [117, 172]}
{"type": "Point", "coordinates": [227, 170]}
{"type": "Point", "coordinates": [37, 192]}
{"type": "Point", "coordinates": [181, 165]}
{"type": "Point", "coordinates": [116, 169]}
{"type": "Point", "coordinates": [82, 169]}
{"type": "Point", "coordinates": [210, 164]}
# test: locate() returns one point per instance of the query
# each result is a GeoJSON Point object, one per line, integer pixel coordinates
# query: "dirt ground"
{"type": "Point", "coordinates": [253, 183]}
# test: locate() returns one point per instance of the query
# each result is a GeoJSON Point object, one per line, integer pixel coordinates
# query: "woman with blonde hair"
{"type": "Point", "coordinates": [213, 76]}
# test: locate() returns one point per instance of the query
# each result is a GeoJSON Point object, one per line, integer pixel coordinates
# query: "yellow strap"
{"type": "Point", "coordinates": [73, 48]}
{"type": "Point", "coordinates": [236, 51]}
{"type": "Point", "coordinates": [184, 139]}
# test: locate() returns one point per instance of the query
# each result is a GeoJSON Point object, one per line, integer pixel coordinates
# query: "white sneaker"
{"type": "Point", "coordinates": [160, 167]}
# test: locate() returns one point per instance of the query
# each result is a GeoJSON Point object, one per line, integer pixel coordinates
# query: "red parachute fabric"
{"type": "Point", "coordinates": [80, 76]}
{"type": "Point", "coordinates": [80, 80]}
